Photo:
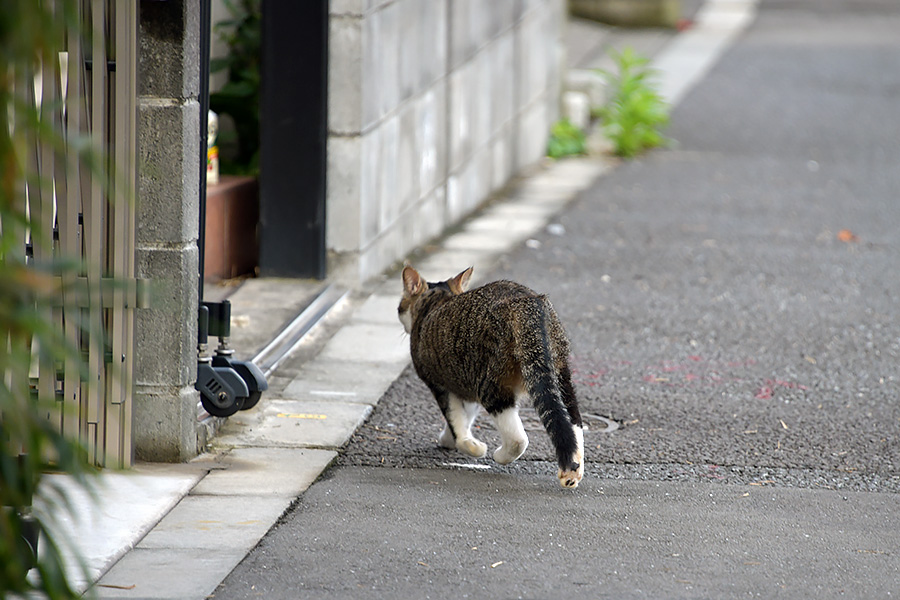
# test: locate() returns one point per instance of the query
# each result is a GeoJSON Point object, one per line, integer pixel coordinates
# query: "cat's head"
{"type": "Point", "coordinates": [415, 289]}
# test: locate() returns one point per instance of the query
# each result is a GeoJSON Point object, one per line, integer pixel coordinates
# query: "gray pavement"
{"type": "Point", "coordinates": [735, 339]}
{"type": "Point", "coordinates": [733, 313]}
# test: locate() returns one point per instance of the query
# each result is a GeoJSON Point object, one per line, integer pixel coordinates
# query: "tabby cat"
{"type": "Point", "coordinates": [488, 347]}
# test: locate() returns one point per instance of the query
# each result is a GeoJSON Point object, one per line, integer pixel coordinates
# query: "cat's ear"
{"type": "Point", "coordinates": [460, 283]}
{"type": "Point", "coordinates": [412, 282]}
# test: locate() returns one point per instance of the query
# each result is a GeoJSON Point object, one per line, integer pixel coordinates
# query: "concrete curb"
{"type": "Point", "coordinates": [272, 454]}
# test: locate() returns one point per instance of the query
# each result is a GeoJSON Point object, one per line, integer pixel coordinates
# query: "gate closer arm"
{"type": "Point", "coordinates": [226, 385]}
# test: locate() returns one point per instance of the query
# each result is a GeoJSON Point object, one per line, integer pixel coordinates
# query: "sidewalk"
{"type": "Point", "coordinates": [204, 517]}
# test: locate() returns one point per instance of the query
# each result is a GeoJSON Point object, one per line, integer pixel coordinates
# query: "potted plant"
{"type": "Point", "coordinates": [232, 206]}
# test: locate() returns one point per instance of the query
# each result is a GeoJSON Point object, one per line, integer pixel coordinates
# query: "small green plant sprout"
{"type": "Point", "coordinates": [635, 114]}
{"type": "Point", "coordinates": [565, 140]}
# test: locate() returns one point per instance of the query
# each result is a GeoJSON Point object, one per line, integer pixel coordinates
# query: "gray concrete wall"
{"type": "Point", "coordinates": [165, 402]}
{"type": "Point", "coordinates": [433, 105]}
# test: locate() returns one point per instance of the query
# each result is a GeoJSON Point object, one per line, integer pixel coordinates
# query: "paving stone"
{"type": "Point", "coordinates": [342, 381]}
{"type": "Point", "coordinates": [265, 471]}
{"type": "Point", "coordinates": [216, 522]}
{"type": "Point", "coordinates": [167, 574]}
{"type": "Point", "coordinates": [295, 424]}
{"type": "Point", "coordinates": [378, 308]}
{"type": "Point", "coordinates": [491, 241]}
{"type": "Point", "coordinates": [365, 342]}
{"type": "Point", "coordinates": [506, 225]}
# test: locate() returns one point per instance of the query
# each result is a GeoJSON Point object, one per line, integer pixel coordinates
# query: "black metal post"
{"type": "Point", "coordinates": [205, 36]}
{"type": "Point", "coordinates": [293, 131]}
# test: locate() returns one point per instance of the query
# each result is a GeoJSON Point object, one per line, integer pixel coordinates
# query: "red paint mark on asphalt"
{"type": "Point", "coordinates": [693, 372]}
{"type": "Point", "coordinates": [764, 393]}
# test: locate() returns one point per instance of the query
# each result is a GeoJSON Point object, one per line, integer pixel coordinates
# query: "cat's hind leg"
{"type": "Point", "coordinates": [513, 438]}
{"type": "Point", "coordinates": [571, 477]}
{"type": "Point", "coordinates": [447, 439]}
{"type": "Point", "coordinates": [460, 415]}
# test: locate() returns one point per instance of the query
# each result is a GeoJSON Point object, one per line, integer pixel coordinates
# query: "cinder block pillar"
{"type": "Point", "coordinates": [165, 402]}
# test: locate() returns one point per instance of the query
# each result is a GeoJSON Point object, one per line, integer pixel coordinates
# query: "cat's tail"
{"type": "Point", "coordinates": [543, 383]}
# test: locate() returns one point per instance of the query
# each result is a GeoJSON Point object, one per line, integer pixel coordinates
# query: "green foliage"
{"type": "Point", "coordinates": [565, 140]}
{"type": "Point", "coordinates": [31, 33]}
{"type": "Point", "coordinates": [635, 114]}
{"type": "Point", "coordinates": [239, 97]}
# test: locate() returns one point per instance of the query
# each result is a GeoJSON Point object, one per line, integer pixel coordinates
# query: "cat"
{"type": "Point", "coordinates": [489, 347]}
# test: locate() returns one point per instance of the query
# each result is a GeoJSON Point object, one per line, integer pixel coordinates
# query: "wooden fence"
{"type": "Point", "coordinates": [91, 93]}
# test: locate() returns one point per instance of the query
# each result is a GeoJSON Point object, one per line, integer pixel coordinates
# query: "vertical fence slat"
{"type": "Point", "coordinates": [94, 224]}
{"type": "Point", "coordinates": [122, 238]}
{"type": "Point", "coordinates": [69, 201]}
{"type": "Point", "coordinates": [42, 218]}
{"type": "Point", "coordinates": [115, 316]}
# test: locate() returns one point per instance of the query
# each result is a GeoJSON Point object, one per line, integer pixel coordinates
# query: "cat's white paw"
{"type": "Point", "coordinates": [567, 477]}
{"type": "Point", "coordinates": [510, 451]}
{"type": "Point", "coordinates": [447, 440]}
{"type": "Point", "coordinates": [472, 447]}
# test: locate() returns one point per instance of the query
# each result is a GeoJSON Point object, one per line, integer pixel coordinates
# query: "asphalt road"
{"type": "Point", "coordinates": [733, 308]}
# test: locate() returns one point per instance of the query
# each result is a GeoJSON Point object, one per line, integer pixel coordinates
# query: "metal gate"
{"type": "Point", "coordinates": [91, 93]}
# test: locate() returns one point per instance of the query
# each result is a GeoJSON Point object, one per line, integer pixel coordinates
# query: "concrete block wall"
{"type": "Point", "coordinates": [165, 403]}
{"type": "Point", "coordinates": [433, 105]}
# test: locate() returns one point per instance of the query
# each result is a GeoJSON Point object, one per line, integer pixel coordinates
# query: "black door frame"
{"type": "Point", "coordinates": [294, 135]}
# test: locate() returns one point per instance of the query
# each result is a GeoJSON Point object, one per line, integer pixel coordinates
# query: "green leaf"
{"type": "Point", "coordinates": [565, 140]}
{"type": "Point", "coordinates": [635, 114]}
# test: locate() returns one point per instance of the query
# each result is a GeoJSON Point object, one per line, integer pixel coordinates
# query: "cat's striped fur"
{"type": "Point", "coordinates": [489, 347]}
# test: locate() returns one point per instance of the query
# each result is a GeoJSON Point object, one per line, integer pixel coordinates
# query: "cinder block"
{"type": "Point", "coordinates": [384, 250]}
{"type": "Point", "coordinates": [165, 423]}
{"type": "Point", "coordinates": [345, 75]}
{"type": "Point", "coordinates": [168, 64]}
{"type": "Point", "coordinates": [456, 189]}
{"type": "Point", "coordinates": [461, 115]}
{"type": "Point", "coordinates": [433, 24]}
{"type": "Point", "coordinates": [502, 154]}
{"type": "Point", "coordinates": [532, 131]}
{"type": "Point", "coordinates": [532, 58]}
{"type": "Point", "coordinates": [370, 186]}
{"type": "Point", "coordinates": [501, 14]}
{"type": "Point", "coordinates": [482, 98]}
{"type": "Point", "coordinates": [409, 28]}
{"type": "Point", "coordinates": [502, 80]}
{"type": "Point", "coordinates": [373, 55]}
{"type": "Point", "coordinates": [389, 67]}
{"type": "Point", "coordinates": [430, 218]}
{"type": "Point", "coordinates": [430, 129]}
{"type": "Point", "coordinates": [462, 38]}
{"type": "Point", "coordinates": [482, 175]}
{"type": "Point", "coordinates": [343, 192]}
{"type": "Point", "coordinates": [166, 332]}
{"type": "Point", "coordinates": [407, 169]}
{"type": "Point", "coordinates": [169, 172]}
{"type": "Point", "coordinates": [389, 194]}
